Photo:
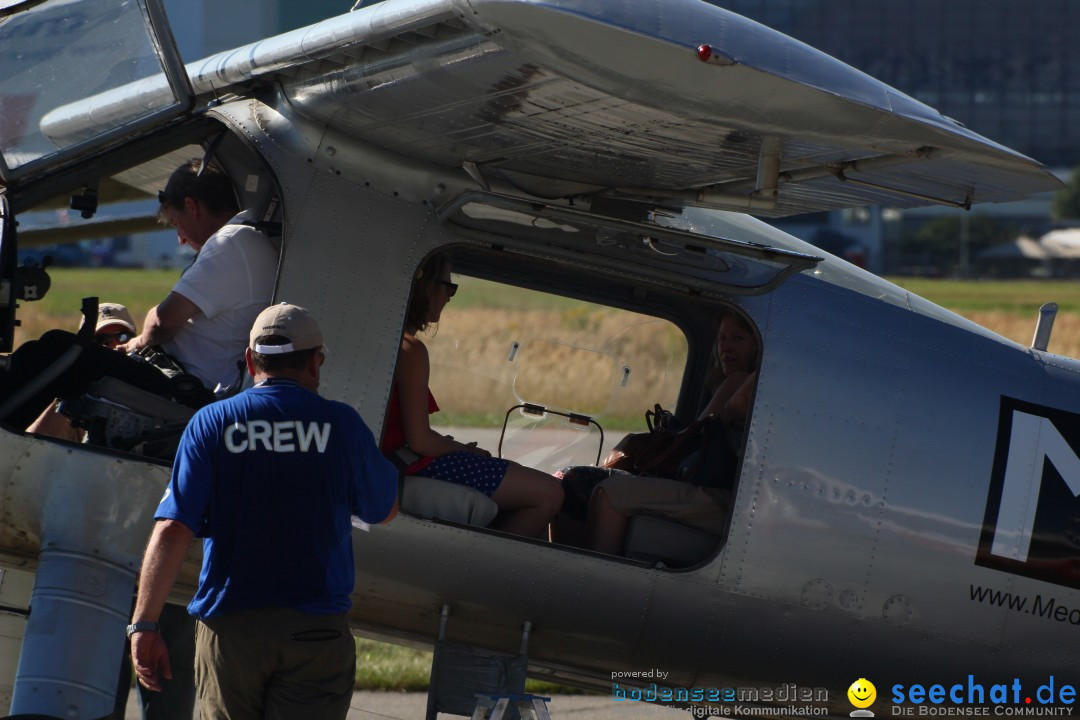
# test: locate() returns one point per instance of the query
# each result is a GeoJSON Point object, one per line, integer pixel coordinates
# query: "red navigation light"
{"type": "Point", "coordinates": [709, 54]}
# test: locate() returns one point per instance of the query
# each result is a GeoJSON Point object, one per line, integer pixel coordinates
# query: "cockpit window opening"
{"type": "Point", "coordinates": [555, 360]}
{"type": "Point", "coordinates": [129, 277]}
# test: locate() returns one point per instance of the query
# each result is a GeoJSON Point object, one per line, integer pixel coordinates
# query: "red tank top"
{"type": "Point", "coordinates": [394, 434]}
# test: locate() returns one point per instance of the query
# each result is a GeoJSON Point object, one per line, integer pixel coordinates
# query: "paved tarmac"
{"type": "Point", "coordinates": [529, 448]}
{"type": "Point", "coordinates": [368, 705]}
{"type": "Point", "coordinates": [412, 706]}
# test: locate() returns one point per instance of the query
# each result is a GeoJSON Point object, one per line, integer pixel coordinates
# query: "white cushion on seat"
{"type": "Point", "coordinates": [443, 500]}
{"type": "Point", "coordinates": [657, 539]}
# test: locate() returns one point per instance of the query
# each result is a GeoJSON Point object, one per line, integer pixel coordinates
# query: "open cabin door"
{"type": "Point", "coordinates": [58, 54]}
{"type": "Point", "coordinates": [8, 261]}
{"type": "Point", "coordinates": [649, 250]}
{"type": "Point", "coordinates": [569, 377]}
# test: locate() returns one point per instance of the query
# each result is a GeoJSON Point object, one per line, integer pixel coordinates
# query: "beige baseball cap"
{"type": "Point", "coordinates": [114, 314]}
{"type": "Point", "coordinates": [293, 323]}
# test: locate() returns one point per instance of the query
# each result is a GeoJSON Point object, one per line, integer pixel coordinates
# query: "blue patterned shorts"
{"type": "Point", "coordinates": [465, 468]}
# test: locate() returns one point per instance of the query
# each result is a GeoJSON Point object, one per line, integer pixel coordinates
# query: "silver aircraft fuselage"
{"type": "Point", "coordinates": [876, 507]}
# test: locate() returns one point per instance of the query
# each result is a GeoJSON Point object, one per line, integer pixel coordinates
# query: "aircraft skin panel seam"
{"type": "Point", "coordinates": [871, 587]}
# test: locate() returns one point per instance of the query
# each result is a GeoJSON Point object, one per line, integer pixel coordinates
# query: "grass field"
{"type": "Point", "coordinates": [1011, 297]}
{"type": "Point", "coordinates": [138, 289]}
{"type": "Point", "coordinates": [382, 666]}
{"type": "Point", "coordinates": [1008, 308]}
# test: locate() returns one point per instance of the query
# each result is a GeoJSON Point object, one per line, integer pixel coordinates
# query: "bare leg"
{"type": "Point", "coordinates": [529, 500]}
{"type": "Point", "coordinates": [607, 526]}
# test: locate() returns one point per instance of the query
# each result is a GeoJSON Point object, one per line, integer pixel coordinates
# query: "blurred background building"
{"type": "Point", "coordinates": [1004, 68]}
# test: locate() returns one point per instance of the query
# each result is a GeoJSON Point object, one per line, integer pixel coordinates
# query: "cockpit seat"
{"type": "Point", "coordinates": [655, 539]}
{"type": "Point", "coordinates": [431, 498]}
{"type": "Point", "coordinates": [121, 416]}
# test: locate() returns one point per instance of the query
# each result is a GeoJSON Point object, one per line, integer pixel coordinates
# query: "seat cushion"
{"type": "Point", "coordinates": [442, 500]}
{"type": "Point", "coordinates": [655, 539]}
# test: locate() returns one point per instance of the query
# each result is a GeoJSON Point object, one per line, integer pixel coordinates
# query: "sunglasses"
{"type": "Point", "coordinates": [451, 288]}
{"type": "Point", "coordinates": [118, 337]}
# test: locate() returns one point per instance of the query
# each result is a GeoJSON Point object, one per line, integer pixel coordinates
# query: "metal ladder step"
{"type": "Point", "coordinates": [462, 673]}
{"type": "Point", "coordinates": [493, 707]}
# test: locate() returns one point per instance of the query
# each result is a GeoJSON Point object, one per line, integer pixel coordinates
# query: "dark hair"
{"type": "Point", "coordinates": [716, 375]}
{"type": "Point", "coordinates": [212, 187]}
{"type": "Point", "coordinates": [277, 363]}
{"type": "Point", "coordinates": [429, 275]}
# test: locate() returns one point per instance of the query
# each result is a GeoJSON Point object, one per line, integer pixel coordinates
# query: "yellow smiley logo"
{"type": "Point", "coordinates": [862, 693]}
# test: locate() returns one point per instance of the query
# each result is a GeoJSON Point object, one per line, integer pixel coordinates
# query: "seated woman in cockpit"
{"type": "Point", "coordinates": [703, 502]}
{"type": "Point", "coordinates": [528, 499]}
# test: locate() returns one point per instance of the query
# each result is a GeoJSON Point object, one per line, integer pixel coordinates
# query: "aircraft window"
{"type": "Point", "coordinates": [134, 408]}
{"type": "Point", "coordinates": [498, 347]}
{"type": "Point", "coordinates": [59, 56]}
{"type": "Point", "coordinates": [554, 383]}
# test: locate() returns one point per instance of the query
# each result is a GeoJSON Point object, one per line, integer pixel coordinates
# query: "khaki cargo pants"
{"type": "Point", "coordinates": [274, 663]}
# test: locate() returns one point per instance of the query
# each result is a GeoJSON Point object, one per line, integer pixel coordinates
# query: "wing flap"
{"type": "Point", "coordinates": [599, 93]}
{"type": "Point", "coordinates": [613, 98]}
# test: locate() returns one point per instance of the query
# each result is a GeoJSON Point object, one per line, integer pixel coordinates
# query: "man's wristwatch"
{"type": "Point", "coordinates": [144, 626]}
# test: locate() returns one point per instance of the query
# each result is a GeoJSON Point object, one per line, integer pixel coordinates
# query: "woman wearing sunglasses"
{"type": "Point", "coordinates": [528, 499]}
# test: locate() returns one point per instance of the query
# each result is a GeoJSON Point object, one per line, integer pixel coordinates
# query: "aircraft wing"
{"type": "Point", "coordinates": [103, 227]}
{"type": "Point", "coordinates": [588, 97]}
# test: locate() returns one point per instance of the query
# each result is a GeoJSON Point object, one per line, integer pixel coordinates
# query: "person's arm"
{"type": "Point", "coordinates": [165, 553]}
{"type": "Point", "coordinates": [718, 405]}
{"type": "Point", "coordinates": [737, 409]}
{"type": "Point", "coordinates": [411, 379]}
{"type": "Point", "coordinates": [393, 513]}
{"type": "Point", "coordinates": [376, 482]}
{"type": "Point", "coordinates": [163, 322]}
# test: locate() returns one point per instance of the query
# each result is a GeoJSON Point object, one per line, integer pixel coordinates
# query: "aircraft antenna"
{"type": "Point", "coordinates": [1044, 326]}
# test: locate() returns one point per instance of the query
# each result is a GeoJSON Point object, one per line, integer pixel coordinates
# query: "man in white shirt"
{"type": "Point", "coordinates": [204, 321]}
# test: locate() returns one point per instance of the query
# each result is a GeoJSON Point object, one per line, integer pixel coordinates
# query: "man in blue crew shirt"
{"type": "Point", "coordinates": [270, 479]}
